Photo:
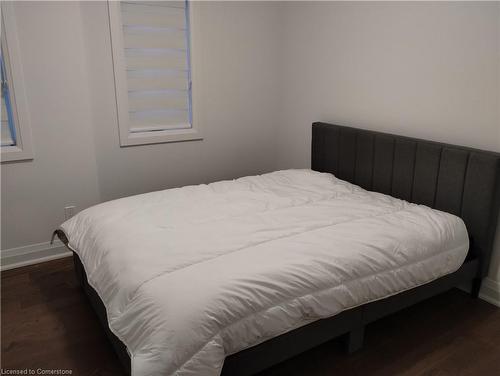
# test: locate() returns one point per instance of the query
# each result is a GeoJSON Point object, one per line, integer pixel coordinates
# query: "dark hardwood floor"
{"type": "Point", "coordinates": [47, 323]}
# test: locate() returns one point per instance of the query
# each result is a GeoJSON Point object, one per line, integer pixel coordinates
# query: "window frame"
{"type": "Point", "coordinates": [23, 149]}
{"type": "Point", "coordinates": [128, 138]}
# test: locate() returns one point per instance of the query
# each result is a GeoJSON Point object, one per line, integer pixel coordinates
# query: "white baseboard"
{"type": "Point", "coordinates": [490, 291]}
{"type": "Point", "coordinates": [32, 254]}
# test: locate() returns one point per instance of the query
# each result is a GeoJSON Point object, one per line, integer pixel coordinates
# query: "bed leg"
{"type": "Point", "coordinates": [354, 339]}
{"type": "Point", "coordinates": [476, 286]}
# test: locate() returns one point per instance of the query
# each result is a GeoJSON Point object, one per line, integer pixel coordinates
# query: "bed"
{"type": "Point", "coordinates": [235, 276]}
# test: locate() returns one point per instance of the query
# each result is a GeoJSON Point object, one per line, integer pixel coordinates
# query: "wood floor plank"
{"type": "Point", "coordinates": [47, 322]}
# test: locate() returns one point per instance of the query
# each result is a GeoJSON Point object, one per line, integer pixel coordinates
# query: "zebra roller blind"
{"type": "Point", "coordinates": [8, 131]}
{"type": "Point", "coordinates": [15, 128]}
{"type": "Point", "coordinates": [154, 62]}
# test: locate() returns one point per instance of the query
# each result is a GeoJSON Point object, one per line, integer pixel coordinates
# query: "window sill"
{"type": "Point", "coordinates": [160, 137]}
{"type": "Point", "coordinates": [15, 153]}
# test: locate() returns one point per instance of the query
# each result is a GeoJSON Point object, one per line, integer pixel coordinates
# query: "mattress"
{"type": "Point", "coordinates": [191, 275]}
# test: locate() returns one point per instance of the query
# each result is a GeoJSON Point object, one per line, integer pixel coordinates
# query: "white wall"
{"type": "Point", "coordinates": [427, 70]}
{"type": "Point", "coordinates": [64, 170]}
{"type": "Point", "coordinates": [65, 49]}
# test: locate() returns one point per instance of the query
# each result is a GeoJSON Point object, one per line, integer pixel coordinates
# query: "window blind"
{"type": "Point", "coordinates": [7, 129]}
{"type": "Point", "coordinates": [156, 54]}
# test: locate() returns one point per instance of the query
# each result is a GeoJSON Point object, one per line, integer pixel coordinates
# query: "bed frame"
{"type": "Point", "coordinates": [455, 179]}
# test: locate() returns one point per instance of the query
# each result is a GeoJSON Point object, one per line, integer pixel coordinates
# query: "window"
{"type": "Point", "coordinates": [15, 128]}
{"type": "Point", "coordinates": [8, 130]}
{"type": "Point", "coordinates": [152, 66]}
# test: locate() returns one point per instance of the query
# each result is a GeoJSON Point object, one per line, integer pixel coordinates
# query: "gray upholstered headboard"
{"type": "Point", "coordinates": [455, 179]}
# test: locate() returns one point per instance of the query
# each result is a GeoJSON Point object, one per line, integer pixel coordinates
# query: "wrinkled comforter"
{"type": "Point", "coordinates": [191, 275]}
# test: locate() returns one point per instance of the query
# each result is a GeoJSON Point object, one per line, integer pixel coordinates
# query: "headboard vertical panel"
{"type": "Point", "coordinates": [331, 139]}
{"type": "Point", "coordinates": [426, 173]}
{"type": "Point", "coordinates": [382, 164]}
{"type": "Point", "coordinates": [317, 150]}
{"type": "Point", "coordinates": [453, 167]}
{"type": "Point", "coordinates": [403, 170]}
{"type": "Point", "coordinates": [347, 154]}
{"type": "Point", "coordinates": [363, 174]}
{"type": "Point", "coordinates": [456, 179]}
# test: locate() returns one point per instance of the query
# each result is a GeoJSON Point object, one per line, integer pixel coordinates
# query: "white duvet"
{"type": "Point", "coordinates": [191, 275]}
